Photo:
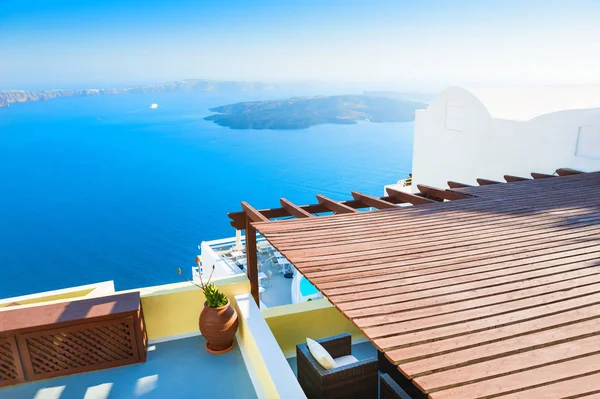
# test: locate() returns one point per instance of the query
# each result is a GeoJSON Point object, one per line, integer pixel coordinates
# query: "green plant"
{"type": "Point", "coordinates": [214, 297]}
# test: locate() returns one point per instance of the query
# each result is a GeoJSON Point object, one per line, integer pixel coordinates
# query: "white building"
{"type": "Point", "coordinates": [466, 134]}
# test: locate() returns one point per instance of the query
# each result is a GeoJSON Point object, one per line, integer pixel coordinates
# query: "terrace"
{"type": "Point", "coordinates": [228, 257]}
{"type": "Point", "coordinates": [258, 366]}
{"type": "Point", "coordinates": [473, 292]}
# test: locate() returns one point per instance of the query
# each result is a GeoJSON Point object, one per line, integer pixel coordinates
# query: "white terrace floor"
{"type": "Point", "coordinates": [279, 290]}
{"type": "Point", "coordinates": [176, 369]}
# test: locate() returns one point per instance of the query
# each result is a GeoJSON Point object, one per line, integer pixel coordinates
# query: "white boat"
{"type": "Point", "coordinates": [153, 106]}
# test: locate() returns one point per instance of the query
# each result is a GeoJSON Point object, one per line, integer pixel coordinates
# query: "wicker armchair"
{"type": "Point", "coordinates": [389, 389]}
{"type": "Point", "coordinates": [355, 380]}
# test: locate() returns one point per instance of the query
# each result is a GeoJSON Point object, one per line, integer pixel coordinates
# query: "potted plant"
{"type": "Point", "coordinates": [218, 320]}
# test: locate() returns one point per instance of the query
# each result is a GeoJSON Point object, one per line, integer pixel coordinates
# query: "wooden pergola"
{"type": "Point", "coordinates": [475, 292]}
{"type": "Point", "coordinates": [244, 220]}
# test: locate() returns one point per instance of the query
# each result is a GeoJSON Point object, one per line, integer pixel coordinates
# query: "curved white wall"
{"type": "Point", "coordinates": [457, 139]}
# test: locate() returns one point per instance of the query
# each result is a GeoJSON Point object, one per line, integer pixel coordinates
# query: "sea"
{"type": "Point", "coordinates": [106, 188]}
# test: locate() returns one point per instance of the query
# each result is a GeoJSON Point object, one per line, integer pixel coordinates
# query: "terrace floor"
{"type": "Point", "coordinates": [175, 369]}
{"type": "Point", "coordinates": [278, 291]}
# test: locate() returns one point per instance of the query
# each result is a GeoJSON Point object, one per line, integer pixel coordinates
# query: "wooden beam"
{"type": "Point", "coordinates": [238, 219]}
{"type": "Point", "coordinates": [408, 197]}
{"type": "Point", "coordinates": [252, 261]}
{"type": "Point", "coordinates": [486, 182]}
{"type": "Point", "coordinates": [568, 172]}
{"type": "Point", "coordinates": [372, 201]}
{"type": "Point", "coordinates": [334, 206]}
{"type": "Point", "coordinates": [294, 210]}
{"type": "Point", "coordinates": [433, 192]}
{"type": "Point", "coordinates": [510, 178]}
{"type": "Point", "coordinates": [453, 184]}
{"type": "Point", "coordinates": [540, 175]}
{"type": "Point", "coordinates": [253, 214]}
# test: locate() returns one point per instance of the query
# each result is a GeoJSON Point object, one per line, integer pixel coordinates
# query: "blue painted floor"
{"type": "Point", "coordinates": [177, 369]}
{"type": "Point", "coordinates": [360, 351]}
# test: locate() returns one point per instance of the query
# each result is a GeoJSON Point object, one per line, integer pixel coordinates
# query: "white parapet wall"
{"type": "Point", "coordinates": [211, 258]}
{"type": "Point", "coordinates": [466, 134]}
{"type": "Point", "coordinates": [269, 370]}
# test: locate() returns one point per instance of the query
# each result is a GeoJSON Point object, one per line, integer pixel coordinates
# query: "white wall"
{"type": "Point", "coordinates": [457, 139]}
{"type": "Point", "coordinates": [211, 258]}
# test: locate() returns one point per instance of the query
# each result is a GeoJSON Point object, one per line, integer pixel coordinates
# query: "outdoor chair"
{"type": "Point", "coordinates": [389, 389]}
{"type": "Point", "coordinates": [275, 264]}
{"type": "Point", "coordinates": [353, 380]}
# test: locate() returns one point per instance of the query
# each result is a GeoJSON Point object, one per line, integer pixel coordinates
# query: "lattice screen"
{"type": "Point", "coordinates": [87, 347]}
{"type": "Point", "coordinates": [10, 369]}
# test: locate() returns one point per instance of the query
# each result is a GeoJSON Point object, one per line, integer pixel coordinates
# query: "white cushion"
{"type": "Point", "coordinates": [320, 354]}
{"type": "Point", "coordinates": [344, 360]}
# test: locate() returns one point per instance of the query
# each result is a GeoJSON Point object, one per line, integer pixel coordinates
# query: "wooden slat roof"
{"type": "Point", "coordinates": [493, 295]}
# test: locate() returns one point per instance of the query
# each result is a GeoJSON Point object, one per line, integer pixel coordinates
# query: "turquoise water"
{"type": "Point", "coordinates": [306, 288]}
{"type": "Point", "coordinates": [95, 189]}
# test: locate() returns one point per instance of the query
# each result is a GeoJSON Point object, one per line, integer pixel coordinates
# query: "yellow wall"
{"type": "Point", "coordinates": [47, 298]}
{"type": "Point", "coordinates": [292, 324]}
{"type": "Point", "coordinates": [173, 309]}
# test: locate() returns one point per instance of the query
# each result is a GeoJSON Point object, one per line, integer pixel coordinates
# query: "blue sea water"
{"type": "Point", "coordinates": [95, 189]}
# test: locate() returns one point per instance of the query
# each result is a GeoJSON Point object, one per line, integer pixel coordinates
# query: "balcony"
{"type": "Point", "coordinates": [261, 365]}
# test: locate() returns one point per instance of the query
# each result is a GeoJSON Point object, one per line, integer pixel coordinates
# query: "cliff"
{"type": "Point", "coordinates": [182, 86]}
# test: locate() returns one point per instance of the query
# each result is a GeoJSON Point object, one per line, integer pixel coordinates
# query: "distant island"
{"type": "Point", "coordinates": [304, 112]}
{"type": "Point", "coordinates": [181, 86]}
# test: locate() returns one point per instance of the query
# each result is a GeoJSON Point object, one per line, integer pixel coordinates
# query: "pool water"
{"type": "Point", "coordinates": [306, 288]}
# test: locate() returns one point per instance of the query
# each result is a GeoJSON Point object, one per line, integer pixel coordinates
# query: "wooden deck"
{"type": "Point", "coordinates": [494, 295]}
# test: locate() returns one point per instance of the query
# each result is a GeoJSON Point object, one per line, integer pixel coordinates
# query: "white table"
{"type": "Point", "coordinates": [284, 265]}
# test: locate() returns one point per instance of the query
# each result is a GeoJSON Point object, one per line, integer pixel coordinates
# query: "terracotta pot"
{"type": "Point", "coordinates": [218, 326]}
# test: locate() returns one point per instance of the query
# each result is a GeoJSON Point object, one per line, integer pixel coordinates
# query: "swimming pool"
{"type": "Point", "coordinates": [303, 290]}
{"type": "Point", "coordinates": [306, 288]}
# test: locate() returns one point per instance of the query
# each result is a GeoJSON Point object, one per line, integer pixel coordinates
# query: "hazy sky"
{"type": "Point", "coordinates": [59, 43]}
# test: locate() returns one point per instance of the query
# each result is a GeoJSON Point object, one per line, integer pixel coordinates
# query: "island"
{"type": "Point", "coordinates": [8, 97]}
{"type": "Point", "coordinates": [304, 112]}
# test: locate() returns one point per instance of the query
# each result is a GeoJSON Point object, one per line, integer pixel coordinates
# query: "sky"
{"type": "Point", "coordinates": [376, 43]}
